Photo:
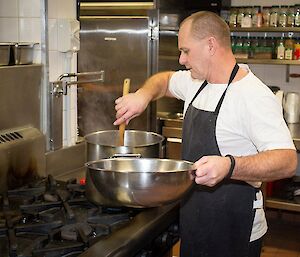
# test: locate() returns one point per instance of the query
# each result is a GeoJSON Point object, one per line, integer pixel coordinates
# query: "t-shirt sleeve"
{"type": "Point", "coordinates": [179, 84]}
{"type": "Point", "coordinates": [265, 124]}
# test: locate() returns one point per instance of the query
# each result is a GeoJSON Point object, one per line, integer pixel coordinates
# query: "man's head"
{"type": "Point", "coordinates": [208, 24]}
{"type": "Point", "coordinates": [203, 37]}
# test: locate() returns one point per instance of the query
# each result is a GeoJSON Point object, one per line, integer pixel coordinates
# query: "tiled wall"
{"type": "Point", "coordinates": [20, 21]}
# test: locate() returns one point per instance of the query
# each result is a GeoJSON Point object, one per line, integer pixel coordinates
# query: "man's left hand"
{"type": "Point", "coordinates": [210, 170]}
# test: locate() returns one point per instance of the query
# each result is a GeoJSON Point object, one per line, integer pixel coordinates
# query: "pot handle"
{"type": "Point", "coordinates": [126, 155]}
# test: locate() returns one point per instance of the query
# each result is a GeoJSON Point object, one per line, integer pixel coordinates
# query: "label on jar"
{"type": "Point", "coordinates": [288, 54]}
{"type": "Point", "coordinates": [233, 20]}
{"type": "Point", "coordinates": [297, 20]}
{"type": "Point", "coordinates": [282, 20]}
{"type": "Point", "coordinates": [273, 19]}
{"type": "Point", "coordinates": [246, 22]}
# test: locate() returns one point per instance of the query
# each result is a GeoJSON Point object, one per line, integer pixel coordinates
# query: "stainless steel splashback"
{"type": "Point", "coordinates": [20, 96]}
{"type": "Point", "coordinates": [22, 157]}
{"type": "Point", "coordinates": [121, 46]}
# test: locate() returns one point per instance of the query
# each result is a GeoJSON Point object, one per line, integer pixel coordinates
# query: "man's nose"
{"type": "Point", "coordinates": [182, 59]}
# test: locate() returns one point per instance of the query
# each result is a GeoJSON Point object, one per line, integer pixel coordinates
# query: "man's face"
{"type": "Point", "coordinates": [193, 52]}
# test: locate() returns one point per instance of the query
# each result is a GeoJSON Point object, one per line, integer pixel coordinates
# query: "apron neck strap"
{"type": "Point", "coordinates": [232, 76]}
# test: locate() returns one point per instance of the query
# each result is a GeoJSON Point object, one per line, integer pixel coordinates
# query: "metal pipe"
{"type": "Point", "coordinates": [45, 87]}
{"type": "Point", "coordinates": [92, 73]}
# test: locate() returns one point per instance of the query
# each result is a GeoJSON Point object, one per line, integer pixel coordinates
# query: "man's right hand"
{"type": "Point", "coordinates": [130, 106]}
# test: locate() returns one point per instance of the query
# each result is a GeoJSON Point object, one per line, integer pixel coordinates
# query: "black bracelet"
{"type": "Point", "coordinates": [232, 165]}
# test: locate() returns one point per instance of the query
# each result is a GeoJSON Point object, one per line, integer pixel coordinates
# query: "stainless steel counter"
{"type": "Point", "coordinates": [172, 127]}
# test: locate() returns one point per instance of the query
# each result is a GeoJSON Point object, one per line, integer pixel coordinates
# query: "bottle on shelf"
{"type": "Point", "coordinates": [297, 15]}
{"type": "Point", "coordinates": [233, 17]}
{"type": "Point", "coordinates": [266, 12]}
{"type": "Point", "coordinates": [254, 47]}
{"type": "Point", "coordinates": [247, 19]}
{"type": "Point", "coordinates": [240, 15]}
{"type": "Point", "coordinates": [297, 49]}
{"type": "Point", "coordinates": [274, 16]}
{"type": "Point", "coordinates": [289, 48]}
{"type": "Point", "coordinates": [291, 16]}
{"type": "Point", "coordinates": [282, 19]}
{"type": "Point", "coordinates": [280, 49]}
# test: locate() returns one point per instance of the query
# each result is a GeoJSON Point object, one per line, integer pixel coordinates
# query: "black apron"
{"type": "Point", "coordinates": [214, 221]}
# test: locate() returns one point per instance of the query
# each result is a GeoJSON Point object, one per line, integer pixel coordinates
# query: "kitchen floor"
{"type": "Point", "coordinates": [282, 238]}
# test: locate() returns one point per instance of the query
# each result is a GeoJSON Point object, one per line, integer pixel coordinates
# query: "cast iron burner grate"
{"type": "Point", "coordinates": [50, 218]}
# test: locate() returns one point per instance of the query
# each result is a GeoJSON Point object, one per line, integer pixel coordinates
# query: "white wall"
{"type": "Point", "coordinates": [20, 21]}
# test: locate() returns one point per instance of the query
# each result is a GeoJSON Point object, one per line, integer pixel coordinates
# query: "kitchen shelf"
{"type": "Point", "coordinates": [282, 204]}
{"type": "Point", "coordinates": [266, 29]}
{"type": "Point", "coordinates": [268, 61]}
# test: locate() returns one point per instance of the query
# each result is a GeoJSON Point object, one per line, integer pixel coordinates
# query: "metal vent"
{"type": "Point", "coordinates": [9, 137]}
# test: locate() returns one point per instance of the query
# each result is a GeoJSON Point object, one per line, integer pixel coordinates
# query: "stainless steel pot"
{"type": "Point", "coordinates": [104, 144]}
{"type": "Point", "coordinates": [5, 49]}
{"type": "Point", "coordinates": [140, 182]}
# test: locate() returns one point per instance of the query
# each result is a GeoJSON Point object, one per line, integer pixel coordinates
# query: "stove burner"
{"type": "Point", "coordinates": [72, 231]}
{"type": "Point", "coordinates": [51, 218]}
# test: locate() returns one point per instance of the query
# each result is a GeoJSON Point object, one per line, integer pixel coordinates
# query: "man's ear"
{"type": "Point", "coordinates": [212, 45]}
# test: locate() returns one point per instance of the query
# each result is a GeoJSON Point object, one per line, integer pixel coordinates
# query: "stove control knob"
{"type": "Point", "coordinates": [145, 254]}
{"type": "Point", "coordinates": [167, 239]}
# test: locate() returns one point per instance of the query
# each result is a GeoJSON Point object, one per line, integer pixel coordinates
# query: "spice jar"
{"type": "Point", "coordinates": [291, 16]}
{"type": "Point", "coordinates": [255, 11]}
{"type": "Point", "coordinates": [289, 48]}
{"type": "Point", "coordinates": [233, 17]}
{"type": "Point", "coordinates": [247, 19]}
{"type": "Point", "coordinates": [240, 16]}
{"type": "Point", "coordinates": [274, 16]}
{"type": "Point", "coordinates": [282, 20]}
{"type": "Point", "coordinates": [266, 12]}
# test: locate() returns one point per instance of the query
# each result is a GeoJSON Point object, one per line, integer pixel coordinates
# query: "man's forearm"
{"type": "Point", "coordinates": [156, 86]}
{"type": "Point", "coordinates": [266, 166]}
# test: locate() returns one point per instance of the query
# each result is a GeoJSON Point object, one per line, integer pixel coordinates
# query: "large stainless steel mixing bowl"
{"type": "Point", "coordinates": [141, 182]}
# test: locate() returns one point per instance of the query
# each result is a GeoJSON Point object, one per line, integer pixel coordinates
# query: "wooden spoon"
{"type": "Point", "coordinates": [126, 87]}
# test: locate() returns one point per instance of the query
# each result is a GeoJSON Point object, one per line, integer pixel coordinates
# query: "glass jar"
{"type": "Point", "coordinates": [246, 46]}
{"type": "Point", "coordinates": [233, 17]}
{"type": "Point", "coordinates": [274, 16]}
{"type": "Point", "coordinates": [272, 43]}
{"type": "Point", "coordinates": [289, 48]}
{"type": "Point", "coordinates": [253, 47]}
{"type": "Point", "coordinates": [266, 12]}
{"type": "Point", "coordinates": [297, 15]}
{"type": "Point", "coordinates": [247, 19]}
{"type": "Point", "coordinates": [240, 16]}
{"type": "Point", "coordinates": [282, 19]}
{"type": "Point", "coordinates": [291, 16]}
{"type": "Point", "coordinates": [255, 11]}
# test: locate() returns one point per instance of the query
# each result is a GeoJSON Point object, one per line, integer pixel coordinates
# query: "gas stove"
{"type": "Point", "coordinates": [52, 218]}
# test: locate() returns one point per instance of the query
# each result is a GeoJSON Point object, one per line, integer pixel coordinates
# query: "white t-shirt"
{"type": "Point", "coordinates": [250, 121]}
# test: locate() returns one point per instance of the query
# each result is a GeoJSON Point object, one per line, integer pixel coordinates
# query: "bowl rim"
{"type": "Point", "coordinates": [94, 169]}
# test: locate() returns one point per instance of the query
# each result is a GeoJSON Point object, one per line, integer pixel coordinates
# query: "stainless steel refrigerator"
{"type": "Point", "coordinates": [123, 43]}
